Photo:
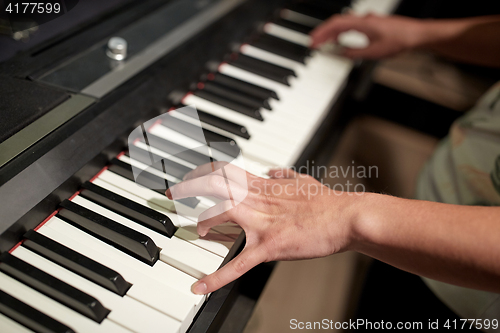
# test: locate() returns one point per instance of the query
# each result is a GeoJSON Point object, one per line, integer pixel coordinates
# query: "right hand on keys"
{"type": "Point", "coordinates": [291, 216]}
{"type": "Point", "coordinates": [387, 36]}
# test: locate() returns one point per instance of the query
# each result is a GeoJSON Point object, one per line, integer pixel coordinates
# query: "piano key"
{"type": "Point", "coordinates": [282, 47]}
{"type": "Point", "coordinates": [255, 166]}
{"type": "Point", "coordinates": [149, 180]}
{"type": "Point", "coordinates": [214, 242]}
{"type": "Point", "coordinates": [54, 309]}
{"type": "Point", "coordinates": [300, 18]}
{"type": "Point", "coordinates": [220, 244]}
{"type": "Point", "coordinates": [127, 240]}
{"type": "Point", "coordinates": [171, 167]}
{"type": "Point", "coordinates": [310, 10]}
{"type": "Point", "coordinates": [75, 262]}
{"type": "Point", "coordinates": [144, 215]}
{"type": "Point", "coordinates": [287, 34]}
{"type": "Point", "coordinates": [260, 146]}
{"type": "Point", "coordinates": [143, 178]}
{"type": "Point", "coordinates": [125, 311]}
{"type": "Point", "coordinates": [236, 95]}
{"type": "Point", "coordinates": [252, 112]}
{"type": "Point", "coordinates": [279, 140]}
{"type": "Point", "coordinates": [9, 325]}
{"type": "Point", "coordinates": [243, 86]}
{"type": "Point", "coordinates": [304, 29]}
{"type": "Point", "coordinates": [221, 123]}
{"type": "Point", "coordinates": [177, 220]}
{"type": "Point", "coordinates": [272, 72]}
{"type": "Point", "coordinates": [52, 287]}
{"type": "Point", "coordinates": [25, 318]}
{"type": "Point", "coordinates": [152, 196]}
{"type": "Point", "coordinates": [177, 151]}
{"type": "Point", "coordinates": [203, 136]}
{"type": "Point", "coordinates": [207, 202]}
{"type": "Point", "coordinates": [161, 286]}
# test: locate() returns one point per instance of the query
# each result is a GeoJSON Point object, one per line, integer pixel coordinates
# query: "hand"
{"type": "Point", "coordinates": [388, 36]}
{"type": "Point", "coordinates": [291, 216]}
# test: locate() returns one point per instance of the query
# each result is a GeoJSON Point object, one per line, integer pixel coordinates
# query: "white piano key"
{"type": "Point", "coordinates": [287, 34]}
{"type": "Point", "coordinates": [214, 242]}
{"type": "Point", "coordinates": [125, 311]}
{"type": "Point", "coordinates": [220, 244]}
{"type": "Point", "coordinates": [177, 220]}
{"type": "Point", "coordinates": [10, 326]}
{"type": "Point", "coordinates": [205, 201]}
{"type": "Point", "coordinates": [150, 285]}
{"type": "Point", "coordinates": [257, 146]}
{"type": "Point", "coordinates": [152, 196]}
{"type": "Point", "coordinates": [300, 18]}
{"type": "Point", "coordinates": [55, 309]}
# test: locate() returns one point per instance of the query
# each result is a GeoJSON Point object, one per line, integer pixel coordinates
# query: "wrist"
{"type": "Point", "coordinates": [367, 221]}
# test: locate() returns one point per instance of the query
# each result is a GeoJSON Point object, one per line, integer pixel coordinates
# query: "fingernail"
{"type": "Point", "coordinates": [199, 288]}
{"type": "Point", "coordinates": [168, 194]}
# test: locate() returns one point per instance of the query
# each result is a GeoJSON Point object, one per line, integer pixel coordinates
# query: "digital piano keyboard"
{"type": "Point", "coordinates": [84, 248]}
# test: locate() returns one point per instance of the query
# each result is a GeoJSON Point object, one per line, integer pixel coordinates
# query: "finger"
{"type": "Point", "coordinates": [331, 29]}
{"type": "Point", "coordinates": [205, 169]}
{"type": "Point", "coordinates": [283, 173]}
{"type": "Point", "coordinates": [211, 185]}
{"type": "Point", "coordinates": [223, 169]}
{"type": "Point", "coordinates": [246, 260]}
{"type": "Point", "coordinates": [225, 211]}
{"type": "Point", "coordinates": [373, 51]}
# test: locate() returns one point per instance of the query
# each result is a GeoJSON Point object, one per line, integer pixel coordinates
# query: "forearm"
{"type": "Point", "coordinates": [450, 243]}
{"type": "Point", "coordinates": [472, 40]}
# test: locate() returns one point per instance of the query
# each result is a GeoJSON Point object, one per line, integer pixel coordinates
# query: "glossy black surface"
{"type": "Point", "coordinates": [136, 212]}
{"type": "Point", "coordinates": [281, 47]}
{"type": "Point", "coordinates": [30, 317]}
{"type": "Point", "coordinates": [265, 69]}
{"type": "Point", "coordinates": [124, 238]}
{"type": "Point", "coordinates": [230, 103]}
{"type": "Point", "coordinates": [246, 87]}
{"type": "Point", "coordinates": [235, 95]}
{"type": "Point", "coordinates": [76, 262]}
{"type": "Point", "coordinates": [221, 123]}
{"type": "Point", "coordinates": [53, 287]}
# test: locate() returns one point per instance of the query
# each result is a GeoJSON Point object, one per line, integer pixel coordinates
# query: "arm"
{"type": "Point", "coordinates": [474, 40]}
{"type": "Point", "coordinates": [295, 217]}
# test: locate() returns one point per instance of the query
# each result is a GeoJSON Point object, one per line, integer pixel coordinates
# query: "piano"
{"type": "Point", "coordinates": [85, 247]}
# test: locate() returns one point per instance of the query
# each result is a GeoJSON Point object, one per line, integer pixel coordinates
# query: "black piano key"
{"type": "Point", "coordinates": [145, 178]}
{"type": "Point", "coordinates": [53, 287]}
{"type": "Point", "coordinates": [223, 124]}
{"type": "Point", "coordinates": [30, 317]}
{"type": "Point", "coordinates": [252, 112]}
{"type": "Point", "coordinates": [122, 237]}
{"type": "Point", "coordinates": [265, 69]}
{"type": "Point", "coordinates": [318, 12]}
{"type": "Point", "coordinates": [181, 152]}
{"type": "Point", "coordinates": [76, 262]}
{"type": "Point", "coordinates": [168, 166]}
{"type": "Point", "coordinates": [204, 136]}
{"type": "Point", "coordinates": [148, 180]}
{"type": "Point", "coordinates": [146, 216]}
{"type": "Point", "coordinates": [304, 29]}
{"type": "Point", "coordinates": [235, 95]}
{"type": "Point", "coordinates": [248, 88]}
{"type": "Point", "coordinates": [281, 47]}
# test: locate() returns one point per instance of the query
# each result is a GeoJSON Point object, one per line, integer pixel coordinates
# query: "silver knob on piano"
{"type": "Point", "coordinates": [117, 48]}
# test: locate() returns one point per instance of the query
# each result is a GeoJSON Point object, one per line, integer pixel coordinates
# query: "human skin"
{"type": "Point", "coordinates": [450, 243]}
{"type": "Point", "coordinates": [474, 40]}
